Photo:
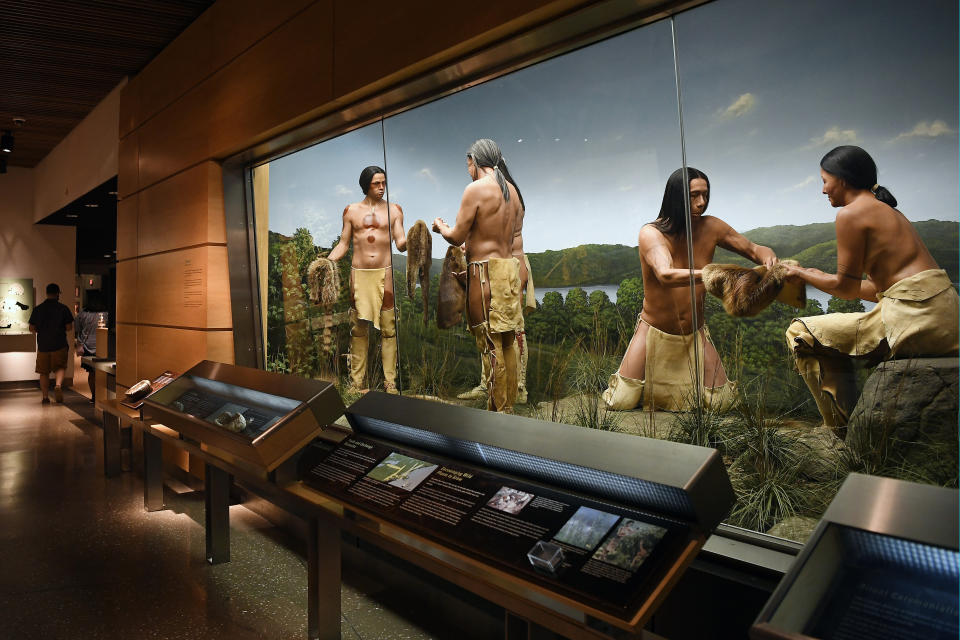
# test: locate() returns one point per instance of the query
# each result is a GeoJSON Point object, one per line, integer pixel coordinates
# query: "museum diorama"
{"type": "Point", "coordinates": [712, 283]}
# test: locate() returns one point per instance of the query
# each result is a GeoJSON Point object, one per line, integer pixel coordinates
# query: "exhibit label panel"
{"type": "Point", "coordinates": [16, 304]}
{"type": "Point", "coordinates": [597, 553]}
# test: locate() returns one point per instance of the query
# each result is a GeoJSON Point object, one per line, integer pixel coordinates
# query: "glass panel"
{"type": "Point", "coordinates": [768, 88]}
{"type": "Point", "coordinates": [311, 197]}
{"type": "Point", "coordinates": [590, 138]}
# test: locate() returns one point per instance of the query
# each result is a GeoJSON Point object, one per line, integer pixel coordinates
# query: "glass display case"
{"type": "Point", "coordinates": [605, 520]}
{"type": "Point", "coordinates": [883, 563]}
{"type": "Point", "coordinates": [259, 417]}
{"type": "Point", "coordinates": [594, 137]}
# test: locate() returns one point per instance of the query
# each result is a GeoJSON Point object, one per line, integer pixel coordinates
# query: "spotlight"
{"type": "Point", "coordinates": [6, 141]}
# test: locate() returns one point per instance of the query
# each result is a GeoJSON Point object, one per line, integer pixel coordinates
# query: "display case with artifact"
{"type": "Point", "coordinates": [882, 563]}
{"type": "Point", "coordinates": [590, 528]}
{"type": "Point", "coordinates": [242, 415]}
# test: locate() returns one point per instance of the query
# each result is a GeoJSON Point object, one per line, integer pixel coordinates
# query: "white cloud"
{"type": "Point", "coordinates": [341, 190]}
{"type": "Point", "coordinates": [800, 185]}
{"type": "Point", "coordinates": [740, 107]}
{"type": "Point", "coordinates": [926, 129]}
{"type": "Point", "coordinates": [834, 136]}
{"type": "Point", "coordinates": [428, 174]}
{"type": "Point", "coordinates": [625, 187]}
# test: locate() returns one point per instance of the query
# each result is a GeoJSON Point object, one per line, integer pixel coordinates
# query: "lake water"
{"type": "Point", "coordinates": [611, 291]}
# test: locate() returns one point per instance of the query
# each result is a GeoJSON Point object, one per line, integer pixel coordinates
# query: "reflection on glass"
{"type": "Point", "coordinates": [589, 139]}
{"type": "Point", "coordinates": [761, 106]}
{"type": "Point", "coordinates": [328, 257]}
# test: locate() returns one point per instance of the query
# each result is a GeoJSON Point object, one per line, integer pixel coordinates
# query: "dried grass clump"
{"type": "Point", "coordinates": [323, 278]}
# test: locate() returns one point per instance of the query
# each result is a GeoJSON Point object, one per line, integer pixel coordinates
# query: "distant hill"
{"type": "Point", "coordinates": [813, 245]}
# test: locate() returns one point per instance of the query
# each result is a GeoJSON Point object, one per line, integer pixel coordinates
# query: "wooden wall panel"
{"type": "Point", "coordinates": [188, 288]}
{"type": "Point", "coordinates": [127, 355]}
{"type": "Point", "coordinates": [128, 160]}
{"type": "Point", "coordinates": [247, 101]}
{"type": "Point", "coordinates": [183, 210]}
{"type": "Point", "coordinates": [400, 29]}
{"type": "Point", "coordinates": [127, 291]}
{"type": "Point", "coordinates": [162, 348]}
{"type": "Point", "coordinates": [218, 36]}
{"type": "Point", "coordinates": [127, 228]}
{"type": "Point", "coordinates": [129, 106]}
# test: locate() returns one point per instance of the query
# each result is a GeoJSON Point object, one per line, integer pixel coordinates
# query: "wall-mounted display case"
{"type": "Point", "coordinates": [252, 415]}
{"type": "Point", "coordinates": [883, 563]}
{"type": "Point", "coordinates": [601, 520]}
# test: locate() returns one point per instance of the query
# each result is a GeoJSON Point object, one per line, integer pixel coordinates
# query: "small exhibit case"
{"type": "Point", "coordinates": [882, 563]}
{"type": "Point", "coordinates": [256, 416]}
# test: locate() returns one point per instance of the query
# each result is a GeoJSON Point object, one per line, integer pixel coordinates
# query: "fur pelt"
{"type": "Point", "coordinates": [452, 297]}
{"type": "Point", "coordinates": [323, 279]}
{"type": "Point", "coordinates": [746, 292]}
{"type": "Point", "coordinates": [419, 261]}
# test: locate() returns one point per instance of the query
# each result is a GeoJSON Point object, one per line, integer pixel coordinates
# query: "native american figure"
{"type": "Point", "coordinates": [419, 261]}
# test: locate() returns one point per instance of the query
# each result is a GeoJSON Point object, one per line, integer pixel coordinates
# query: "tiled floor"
{"type": "Point", "coordinates": [80, 558]}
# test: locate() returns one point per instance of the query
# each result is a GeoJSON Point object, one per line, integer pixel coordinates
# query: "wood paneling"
{"type": "Point", "coordinates": [400, 31]}
{"type": "Point", "coordinates": [183, 210]}
{"type": "Point", "coordinates": [128, 159]}
{"type": "Point", "coordinates": [162, 348]}
{"type": "Point", "coordinates": [59, 58]}
{"type": "Point", "coordinates": [126, 355]}
{"type": "Point", "coordinates": [211, 42]}
{"type": "Point", "coordinates": [278, 79]}
{"type": "Point", "coordinates": [129, 106]}
{"type": "Point", "coordinates": [187, 288]}
{"type": "Point", "coordinates": [127, 227]}
{"type": "Point", "coordinates": [127, 291]}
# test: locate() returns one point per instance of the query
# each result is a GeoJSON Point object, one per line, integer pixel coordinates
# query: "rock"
{"type": "Point", "coordinates": [908, 411]}
{"type": "Point", "coordinates": [796, 528]}
{"type": "Point", "coordinates": [825, 449]}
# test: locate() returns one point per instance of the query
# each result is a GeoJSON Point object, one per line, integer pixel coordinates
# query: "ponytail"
{"type": "Point", "coordinates": [883, 195]}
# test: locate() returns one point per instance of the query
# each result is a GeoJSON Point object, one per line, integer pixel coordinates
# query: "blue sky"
{"type": "Point", "coordinates": [767, 88]}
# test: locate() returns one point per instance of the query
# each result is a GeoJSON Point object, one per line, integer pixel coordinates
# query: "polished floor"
{"type": "Point", "coordinates": [82, 559]}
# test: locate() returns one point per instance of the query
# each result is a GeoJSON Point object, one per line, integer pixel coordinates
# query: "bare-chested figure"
{"type": "Point", "coordinates": [369, 227]}
{"type": "Point", "coordinates": [660, 361]}
{"type": "Point", "coordinates": [919, 304]}
{"type": "Point", "coordinates": [526, 289]}
{"type": "Point", "coordinates": [486, 224]}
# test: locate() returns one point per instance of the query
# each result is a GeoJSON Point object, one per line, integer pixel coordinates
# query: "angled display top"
{"type": "Point", "coordinates": [676, 480]}
{"type": "Point", "coordinates": [258, 416]}
{"type": "Point", "coordinates": [883, 563]}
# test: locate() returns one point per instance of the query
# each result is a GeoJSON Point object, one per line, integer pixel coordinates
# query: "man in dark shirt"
{"type": "Point", "coordinates": [51, 320]}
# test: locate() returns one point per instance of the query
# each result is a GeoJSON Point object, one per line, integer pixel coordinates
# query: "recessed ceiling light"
{"type": "Point", "coordinates": [91, 205]}
{"type": "Point", "coordinates": [112, 193]}
{"type": "Point", "coordinates": [108, 255]}
{"type": "Point", "coordinates": [72, 215]}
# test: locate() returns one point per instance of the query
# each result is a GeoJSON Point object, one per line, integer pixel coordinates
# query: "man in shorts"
{"type": "Point", "coordinates": [51, 320]}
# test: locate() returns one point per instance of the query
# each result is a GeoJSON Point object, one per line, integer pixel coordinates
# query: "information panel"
{"type": "Point", "coordinates": [598, 553]}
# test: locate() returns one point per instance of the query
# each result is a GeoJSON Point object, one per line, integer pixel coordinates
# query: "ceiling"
{"type": "Point", "coordinates": [60, 58]}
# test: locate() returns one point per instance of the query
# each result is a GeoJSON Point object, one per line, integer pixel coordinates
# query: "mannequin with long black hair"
{"type": "Point", "coordinates": [917, 312]}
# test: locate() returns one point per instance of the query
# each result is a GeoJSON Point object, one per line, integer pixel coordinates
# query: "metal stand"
{"type": "Point", "coordinates": [216, 498]}
{"type": "Point", "coordinates": [323, 580]}
{"type": "Point", "coordinates": [152, 472]}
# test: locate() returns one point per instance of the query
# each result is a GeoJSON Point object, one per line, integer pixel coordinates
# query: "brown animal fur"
{"type": "Point", "coordinates": [419, 261]}
{"type": "Point", "coordinates": [323, 278]}
{"type": "Point", "coordinates": [452, 297]}
{"type": "Point", "coordinates": [746, 292]}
